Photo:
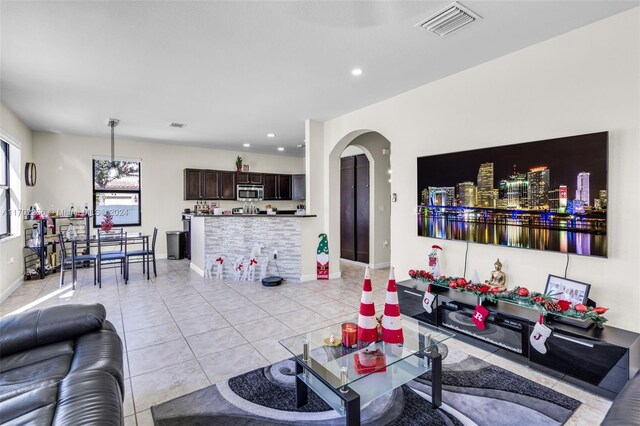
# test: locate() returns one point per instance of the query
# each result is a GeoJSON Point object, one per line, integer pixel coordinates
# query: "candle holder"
{"type": "Point", "coordinates": [349, 334]}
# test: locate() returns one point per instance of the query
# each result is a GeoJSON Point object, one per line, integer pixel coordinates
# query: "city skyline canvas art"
{"type": "Point", "coordinates": [545, 195]}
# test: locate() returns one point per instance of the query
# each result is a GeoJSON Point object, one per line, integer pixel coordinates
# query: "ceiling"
{"type": "Point", "coordinates": [235, 71]}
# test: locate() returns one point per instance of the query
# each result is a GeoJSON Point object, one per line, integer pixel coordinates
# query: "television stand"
{"type": "Point", "coordinates": [600, 360]}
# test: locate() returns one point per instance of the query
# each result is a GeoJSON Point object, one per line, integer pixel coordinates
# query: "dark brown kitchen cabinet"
{"type": "Point", "coordinates": [211, 185]}
{"type": "Point", "coordinates": [192, 184]}
{"type": "Point", "coordinates": [249, 178]}
{"type": "Point", "coordinates": [277, 187]}
{"type": "Point", "coordinates": [298, 187]}
{"type": "Point", "coordinates": [227, 185]}
{"type": "Point", "coordinates": [284, 187]}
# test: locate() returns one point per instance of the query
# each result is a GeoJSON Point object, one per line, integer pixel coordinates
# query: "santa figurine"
{"type": "Point", "coordinates": [434, 260]}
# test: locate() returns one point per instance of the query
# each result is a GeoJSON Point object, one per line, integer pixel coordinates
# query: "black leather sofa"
{"type": "Point", "coordinates": [60, 366]}
{"type": "Point", "coordinates": [625, 410]}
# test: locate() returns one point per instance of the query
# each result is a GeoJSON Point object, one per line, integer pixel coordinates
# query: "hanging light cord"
{"type": "Point", "coordinates": [113, 144]}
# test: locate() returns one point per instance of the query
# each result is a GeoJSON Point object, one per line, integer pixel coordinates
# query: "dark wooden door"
{"type": "Point", "coordinates": [347, 208]}
{"type": "Point", "coordinates": [211, 187]}
{"type": "Point", "coordinates": [227, 185]}
{"type": "Point", "coordinates": [270, 187]}
{"type": "Point", "coordinates": [354, 208]}
{"type": "Point", "coordinates": [284, 187]}
{"type": "Point", "coordinates": [362, 208]}
{"type": "Point", "coordinates": [192, 184]}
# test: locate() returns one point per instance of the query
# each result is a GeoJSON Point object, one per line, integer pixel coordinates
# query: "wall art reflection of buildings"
{"type": "Point", "coordinates": [545, 195]}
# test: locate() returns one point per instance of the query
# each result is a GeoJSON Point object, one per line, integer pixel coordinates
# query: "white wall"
{"type": "Point", "coordinates": [584, 81]}
{"type": "Point", "coordinates": [64, 175]}
{"type": "Point", "coordinates": [12, 271]}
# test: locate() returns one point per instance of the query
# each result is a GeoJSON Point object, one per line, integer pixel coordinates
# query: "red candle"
{"type": "Point", "coordinates": [349, 334]}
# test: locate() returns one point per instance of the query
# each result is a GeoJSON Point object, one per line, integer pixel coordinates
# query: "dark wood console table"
{"type": "Point", "coordinates": [599, 360]}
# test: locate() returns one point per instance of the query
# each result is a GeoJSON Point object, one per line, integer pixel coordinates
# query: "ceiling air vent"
{"type": "Point", "coordinates": [448, 20]}
{"type": "Point", "coordinates": [178, 125]}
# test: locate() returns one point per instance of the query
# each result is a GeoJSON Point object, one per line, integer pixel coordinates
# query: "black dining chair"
{"type": "Point", "coordinates": [112, 258]}
{"type": "Point", "coordinates": [67, 260]}
{"type": "Point", "coordinates": [145, 253]}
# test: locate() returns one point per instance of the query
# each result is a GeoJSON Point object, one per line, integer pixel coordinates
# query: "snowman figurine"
{"type": "Point", "coordinates": [434, 261]}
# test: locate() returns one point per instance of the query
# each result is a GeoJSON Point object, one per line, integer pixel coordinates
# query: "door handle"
{"type": "Point", "coordinates": [560, 336]}
{"type": "Point", "coordinates": [410, 292]}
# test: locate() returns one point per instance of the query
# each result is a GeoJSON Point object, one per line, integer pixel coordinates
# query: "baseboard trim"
{"type": "Point", "coordinates": [195, 269]}
{"type": "Point", "coordinates": [11, 289]}
{"type": "Point", "coordinates": [370, 265]}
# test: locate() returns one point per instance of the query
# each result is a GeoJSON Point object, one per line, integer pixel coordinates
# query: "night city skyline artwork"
{"type": "Point", "coordinates": [545, 195]}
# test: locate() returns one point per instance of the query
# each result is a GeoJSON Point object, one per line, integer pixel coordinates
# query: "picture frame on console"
{"type": "Point", "coordinates": [560, 288]}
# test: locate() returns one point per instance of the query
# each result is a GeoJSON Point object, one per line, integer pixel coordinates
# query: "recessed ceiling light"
{"type": "Point", "coordinates": [280, 148]}
{"type": "Point", "coordinates": [271, 135]}
{"type": "Point", "coordinates": [356, 71]}
{"type": "Point", "coordinates": [246, 145]}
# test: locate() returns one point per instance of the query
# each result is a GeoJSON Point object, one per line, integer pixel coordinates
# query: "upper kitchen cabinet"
{"type": "Point", "coordinates": [192, 184]}
{"type": "Point", "coordinates": [227, 185]}
{"type": "Point", "coordinates": [277, 187]}
{"type": "Point", "coordinates": [284, 187]}
{"type": "Point", "coordinates": [249, 178]}
{"type": "Point", "coordinates": [201, 184]}
{"type": "Point", "coordinates": [209, 185]}
{"type": "Point", "coordinates": [298, 187]}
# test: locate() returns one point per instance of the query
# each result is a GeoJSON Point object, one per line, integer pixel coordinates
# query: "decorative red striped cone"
{"type": "Point", "coordinates": [367, 324]}
{"type": "Point", "coordinates": [391, 321]}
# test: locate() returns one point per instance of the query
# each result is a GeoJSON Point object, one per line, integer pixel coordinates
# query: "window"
{"type": "Point", "coordinates": [5, 213]}
{"type": "Point", "coordinates": [116, 188]}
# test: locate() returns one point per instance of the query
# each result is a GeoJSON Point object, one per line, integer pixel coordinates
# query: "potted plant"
{"type": "Point", "coordinates": [238, 163]}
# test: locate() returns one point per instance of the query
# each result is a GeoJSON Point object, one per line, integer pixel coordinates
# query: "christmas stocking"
{"type": "Point", "coordinates": [539, 337]}
{"type": "Point", "coordinates": [479, 315]}
{"type": "Point", "coordinates": [428, 299]}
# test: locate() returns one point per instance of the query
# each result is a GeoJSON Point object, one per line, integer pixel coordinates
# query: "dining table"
{"type": "Point", "coordinates": [132, 238]}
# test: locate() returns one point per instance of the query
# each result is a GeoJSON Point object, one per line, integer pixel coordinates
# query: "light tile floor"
{"type": "Point", "coordinates": [182, 333]}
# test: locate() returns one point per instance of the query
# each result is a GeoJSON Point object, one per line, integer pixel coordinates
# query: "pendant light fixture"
{"type": "Point", "coordinates": [113, 170]}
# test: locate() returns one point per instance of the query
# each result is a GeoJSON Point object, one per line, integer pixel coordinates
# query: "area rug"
{"type": "Point", "coordinates": [474, 393]}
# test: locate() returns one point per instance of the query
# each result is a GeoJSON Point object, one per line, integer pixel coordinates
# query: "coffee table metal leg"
{"type": "Point", "coordinates": [353, 411]}
{"type": "Point", "coordinates": [302, 391]}
{"type": "Point", "coordinates": [436, 378]}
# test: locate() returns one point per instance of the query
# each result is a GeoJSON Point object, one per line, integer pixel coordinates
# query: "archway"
{"type": "Point", "coordinates": [377, 149]}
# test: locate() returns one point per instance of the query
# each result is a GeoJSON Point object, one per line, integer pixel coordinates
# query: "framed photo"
{"type": "Point", "coordinates": [560, 288]}
{"type": "Point", "coordinates": [245, 167]}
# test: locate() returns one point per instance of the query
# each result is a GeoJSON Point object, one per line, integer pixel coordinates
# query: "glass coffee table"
{"type": "Point", "coordinates": [349, 378]}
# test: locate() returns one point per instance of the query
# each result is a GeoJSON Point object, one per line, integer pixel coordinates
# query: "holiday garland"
{"type": "Point", "coordinates": [544, 303]}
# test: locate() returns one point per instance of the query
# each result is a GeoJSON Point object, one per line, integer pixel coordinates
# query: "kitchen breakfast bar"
{"type": "Point", "coordinates": [293, 237]}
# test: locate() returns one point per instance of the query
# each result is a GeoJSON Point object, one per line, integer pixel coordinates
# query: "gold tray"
{"type": "Point", "coordinates": [336, 342]}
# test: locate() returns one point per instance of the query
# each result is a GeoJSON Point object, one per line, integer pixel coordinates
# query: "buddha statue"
{"type": "Point", "coordinates": [498, 278]}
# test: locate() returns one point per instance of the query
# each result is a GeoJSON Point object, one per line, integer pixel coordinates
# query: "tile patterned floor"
{"type": "Point", "coordinates": [182, 333]}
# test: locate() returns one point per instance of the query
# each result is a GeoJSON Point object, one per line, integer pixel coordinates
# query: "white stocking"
{"type": "Point", "coordinates": [539, 336]}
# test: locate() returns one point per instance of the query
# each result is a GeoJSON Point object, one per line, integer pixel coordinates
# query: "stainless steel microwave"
{"type": "Point", "coordinates": [250, 193]}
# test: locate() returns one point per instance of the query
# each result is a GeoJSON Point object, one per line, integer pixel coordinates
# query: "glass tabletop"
{"type": "Point", "coordinates": [331, 363]}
